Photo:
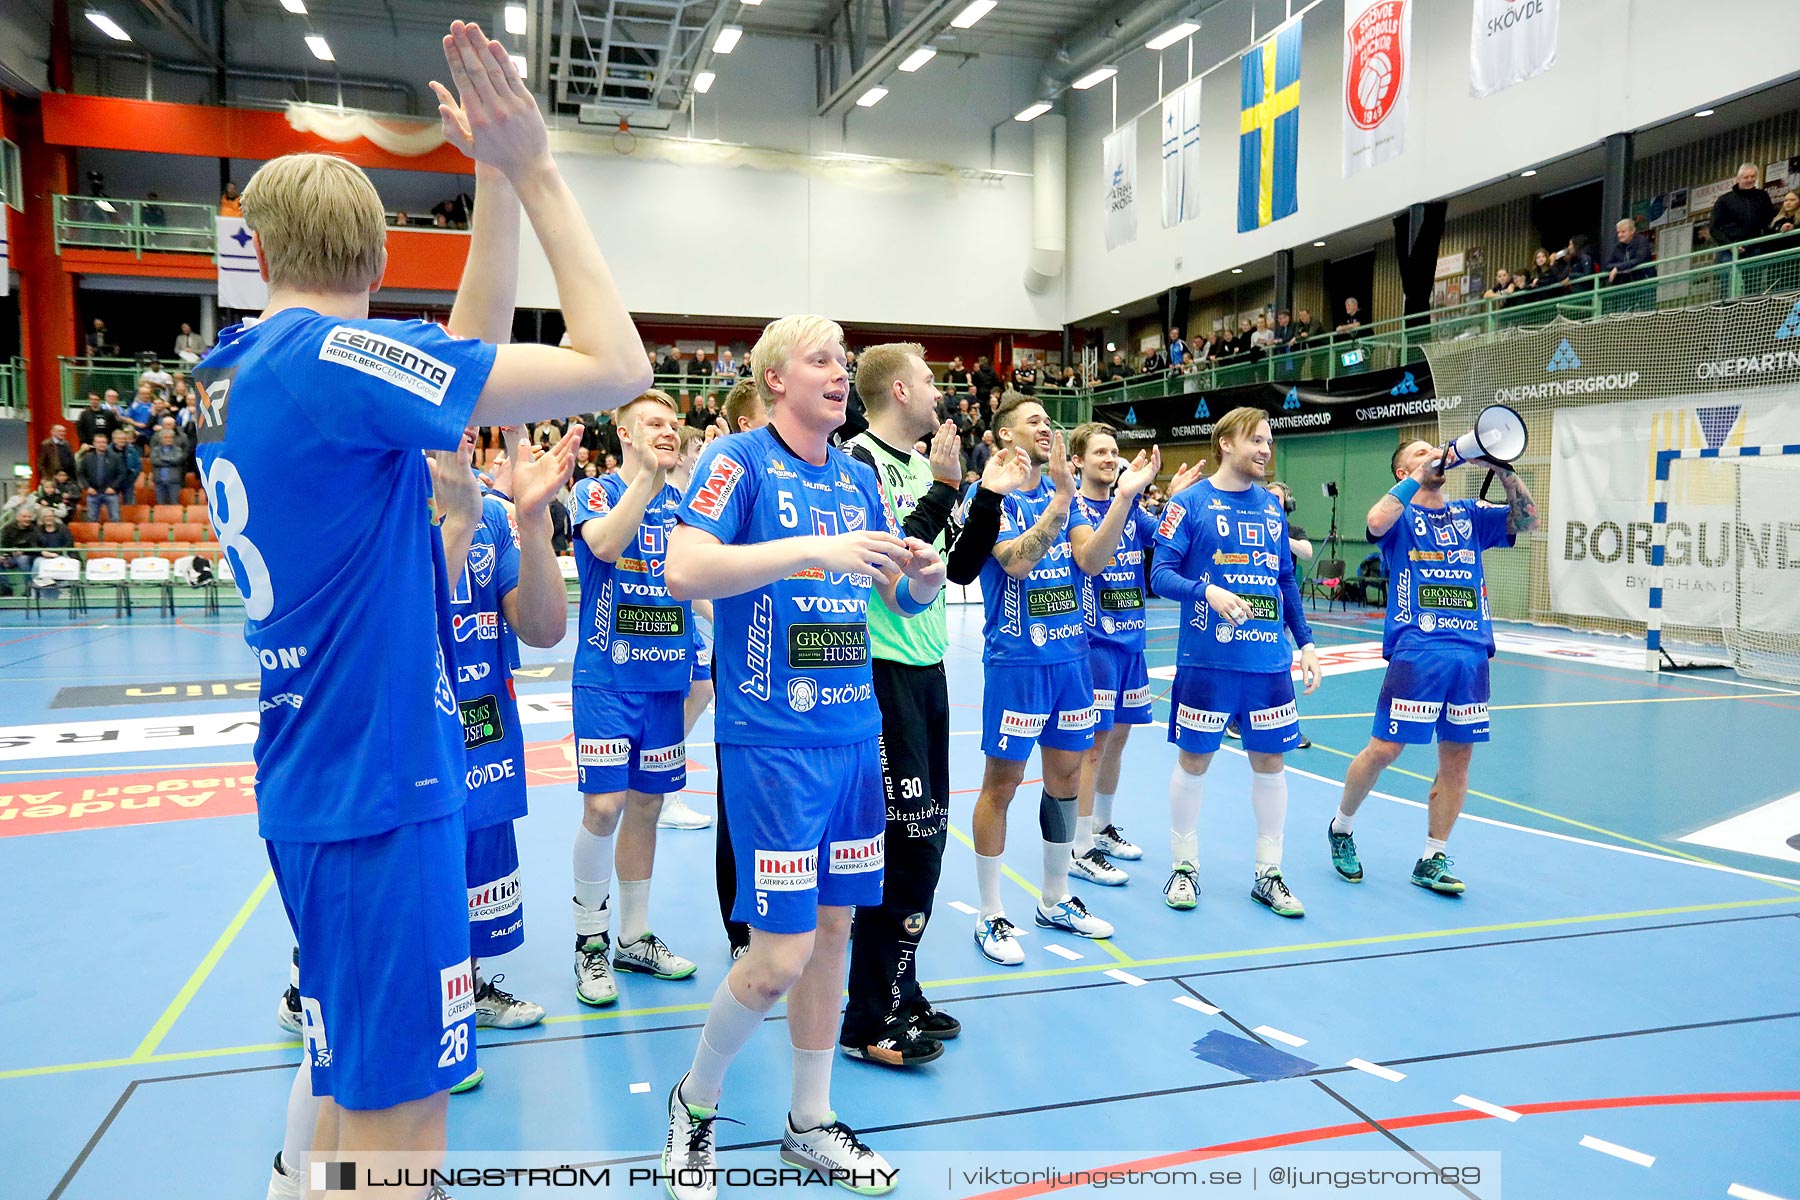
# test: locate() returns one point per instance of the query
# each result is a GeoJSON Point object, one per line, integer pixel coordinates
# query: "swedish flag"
{"type": "Point", "coordinates": [1269, 130]}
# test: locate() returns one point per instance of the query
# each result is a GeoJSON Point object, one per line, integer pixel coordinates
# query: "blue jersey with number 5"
{"type": "Point", "coordinates": [309, 438]}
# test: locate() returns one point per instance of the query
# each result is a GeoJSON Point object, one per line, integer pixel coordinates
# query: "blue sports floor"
{"type": "Point", "coordinates": [1601, 979]}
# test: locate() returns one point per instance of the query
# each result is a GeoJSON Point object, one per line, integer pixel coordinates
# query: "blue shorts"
{"type": "Point", "coordinates": [700, 654]}
{"type": "Point", "coordinates": [1121, 685]}
{"type": "Point", "coordinates": [387, 996]}
{"type": "Point", "coordinates": [792, 809]}
{"type": "Point", "coordinates": [496, 906]}
{"type": "Point", "coordinates": [1024, 706]}
{"type": "Point", "coordinates": [1205, 698]}
{"type": "Point", "coordinates": [629, 740]}
{"type": "Point", "coordinates": [1445, 691]}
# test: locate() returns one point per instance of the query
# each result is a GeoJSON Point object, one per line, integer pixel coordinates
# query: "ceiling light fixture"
{"type": "Point", "coordinates": [108, 26]}
{"type": "Point", "coordinates": [703, 82]}
{"type": "Point", "coordinates": [1705, 112]}
{"type": "Point", "coordinates": [1032, 112]}
{"type": "Point", "coordinates": [968, 16]}
{"type": "Point", "coordinates": [1318, 243]}
{"type": "Point", "coordinates": [1528, 174]}
{"type": "Point", "coordinates": [1097, 75]}
{"type": "Point", "coordinates": [1237, 270]}
{"type": "Point", "coordinates": [297, 7]}
{"type": "Point", "coordinates": [727, 40]}
{"type": "Point", "coordinates": [1163, 41]}
{"type": "Point", "coordinates": [917, 59]}
{"type": "Point", "coordinates": [871, 98]}
{"type": "Point", "coordinates": [518, 62]}
{"type": "Point", "coordinates": [1115, 312]}
{"type": "Point", "coordinates": [515, 17]}
{"type": "Point", "coordinates": [320, 48]}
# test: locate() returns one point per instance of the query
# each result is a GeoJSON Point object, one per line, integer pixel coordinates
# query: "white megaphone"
{"type": "Point", "coordinates": [1497, 441]}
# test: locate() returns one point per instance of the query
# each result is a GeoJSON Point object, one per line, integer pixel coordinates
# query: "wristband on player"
{"type": "Point", "coordinates": [1404, 491]}
{"type": "Point", "coordinates": [909, 606]}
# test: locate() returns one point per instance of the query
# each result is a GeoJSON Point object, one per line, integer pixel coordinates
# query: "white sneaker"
{"type": "Point", "coordinates": [1072, 916]}
{"type": "Point", "coordinates": [1095, 867]}
{"type": "Point", "coordinates": [287, 1013]}
{"type": "Point", "coordinates": [1183, 889]}
{"type": "Point", "coordinates": [834, 1149]}
{"type": "Point", "coordinates": [495, 1009]}
{"type": "Point", "coordinates": [594, 985]}
{"type": "Point", "coordinates": [690, 1158]}
{"type": "Point", "coordinates": [677, 815]}
{"type": "Point", "coordinates": [649, 956]}
{"type": "Point", "coordinates": [1271, 891]}
{"type": "Point", "coordinates": [994, 935]}
{"type": "Point", "coordinates": [1112, 842]}
{"type": "Point", "coordinates": [283, 1186]}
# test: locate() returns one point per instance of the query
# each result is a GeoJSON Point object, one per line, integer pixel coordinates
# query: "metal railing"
{"type": "Point", "coordinates": [140, 226]}
{"type": "Point", "coordinates": [13, 404]}
{"type": "Point", "coordinates": [83, 375]}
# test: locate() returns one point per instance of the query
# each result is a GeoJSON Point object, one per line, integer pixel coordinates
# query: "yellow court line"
{"type": "Point", "coordinates": [1572, 704]}
{"type": "Point", "coordinates": [999, 977]}
{"type": "Point", "coordinates": [1037, 894]}
{"type": "Point", "coordinates": [147, 1048]}
{"type": "Point", "coordinates": [1550, 816]}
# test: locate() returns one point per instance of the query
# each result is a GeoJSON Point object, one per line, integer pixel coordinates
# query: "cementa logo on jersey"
{"type": "Point", "coordinates": [387, 359]}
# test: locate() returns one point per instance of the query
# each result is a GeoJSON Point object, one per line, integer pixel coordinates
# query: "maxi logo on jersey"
{"type": "Point", "coordinates": [710, 500]}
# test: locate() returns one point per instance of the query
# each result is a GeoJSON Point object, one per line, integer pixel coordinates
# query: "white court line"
{"type": "Point", "coordinates": [1126, 977]}
{"type": "Point", "coordinates": [1618, 1151]}
{"type": "Point", "coordinates": [638, 1089]}
{"type": "Point", "coordinates": [1062, 952]}
{"type": "Point", "coordinates": [969, 909]}
{"type": "Point", "coordinates": [1739, 1192]}
{"type": "Point", "coordinates": [1199, 1006]}
{"type": "Point", "coordinates": [1277, 1035]}
{"type": "Point", "coordinates": [1375, 1069]}
{"type": "Point", "coordinates": [1482, 1106]}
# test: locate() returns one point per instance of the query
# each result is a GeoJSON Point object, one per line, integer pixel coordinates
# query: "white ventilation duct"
{"type": "Point", "coordinates": [1049, 203]}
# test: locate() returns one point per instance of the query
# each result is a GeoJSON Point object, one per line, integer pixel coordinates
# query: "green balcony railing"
{"type": "Point", "coordinates": [103, 223]}
{"type": "Point", "coordinates": [13, 404]}
{"type": "Point", "coordinates": [83, 375]}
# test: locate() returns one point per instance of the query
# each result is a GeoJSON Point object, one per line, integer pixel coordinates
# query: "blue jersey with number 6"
{"type": "Point", "coordinates": [309, 437]}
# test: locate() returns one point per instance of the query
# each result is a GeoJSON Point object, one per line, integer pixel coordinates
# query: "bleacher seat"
{"type": "Point", "coordinates": [133, 513]}
{"type": "Point", "coordinates": [188, 531]}
{"type": "Point", "coordinates": [84, 531]}
{"type": "Point", "coordinates": [167, 513]}
{"type": "Point", "coordinates": [196, 513]}
{"type": "Point", "coordinates": [150, 531]}
{"type": "Point", "coordinates": [191, 481]}
{"type": "Point", "coordinates": [193, 495]}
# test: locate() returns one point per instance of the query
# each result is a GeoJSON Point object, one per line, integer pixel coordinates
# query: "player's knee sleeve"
{"type": "Point", "coordinates": [1056, 818]}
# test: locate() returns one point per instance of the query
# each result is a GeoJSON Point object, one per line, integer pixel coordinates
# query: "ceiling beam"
{"type": "Point", "coordinates": [926, 22]}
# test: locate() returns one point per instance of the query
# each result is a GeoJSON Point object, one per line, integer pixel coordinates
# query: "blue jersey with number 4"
{"type": "Point", "coordinates": [1437, 596]}
{"type": "Point", "coordinates": [309, 435]}
{"type": "Point", "coordinates": [634, 638]}
{"type": "Point", "coordinates": [1036, 620]}
{"type": "Point", "coordinates": [485, 653]}
{"type": "Point", "coordinates": [791, 657]}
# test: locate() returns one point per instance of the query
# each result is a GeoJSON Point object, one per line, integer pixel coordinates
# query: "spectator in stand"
{"type": "Point", "coordinates": [1303, 327]}
{"type": "Point", "coordinates": [1284, 331]}
{"type": "Point", "coordinates": [1240, 343]}
{"type": "Point", "coordinates": [125, 445]}
{"type": "Point", "coordinates": [1178, 350]}
{"type": "Point", "coordinates": [1540, 275]}
{"type": "Point", "coordinates": [986, 378]}
{"type": "Point", "coordinates": [230, 207]}
{"type": "Point", "coordinates": [1025, 377]}
{"type": "Point", "coordinates": [1629, 259]}
{"type": "Point", "coordinates": [22, 497]}
{"type": "Point", "coordinates": [1156, 362]}
{"type": "Point", "coordinates": [101, 470]}
{"type": "Point", "coordinates": [18, 538]}
{"type": "Point", "coordinates": [152, 212]}
{"type": "Point", "coordinates": [190, 347]}
{"type": "Point", "coordinates": [1579, 255]}
{"type": "Point", "coordinates": [668, 370]}
{"type": "Point", "coordinates": [609, 465]}
{"type": "Point", "coordinates": [97, 419]}
{"type": "Point", "coordinates": [1114, 373]}
{"type": "Point", "coordinates": [168, 466]}
{"type": "Point", "coordinates": [99, 341]}
{"type": "Point", "coordinates": [1787, 217]}
{"type": "Point", "coordinates": [1504, 286]}
{"type": "Point", "coordinates": [50, 494]}
{"type": "Point", "coordinates": [850, 369]}
{"type": "Point", "coordinates": [725, 370]}
{"type": "Point", "coordinates": [584, 460]}
{"type": "Point", "coordinates": [137, 414]}
{"type": "Point", "coordinates": [1352, 322]}
{"type": "Point", "coordinates": [52, 534]}
{"type": "Point", "coordinates": [55, 454]}
{"type": "Point", "coordinates": [1264, 337]}
{"type": "Point", "coordinates": [1071, 382]}
{"type": "Point", "coordinates": [1745, 211]}
{"type": "Point", "coordinates": [958, 377]}
{"type": "Point", "coordinates": [984, 450]}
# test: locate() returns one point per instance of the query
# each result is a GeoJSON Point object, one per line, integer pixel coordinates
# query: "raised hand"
{"type": "Point", "coordinates": [492, 118]}
{"type": "Point", "coordinates": [454, 493]}
{"type": "Point", "coordinates": [1062, 475]}
{"type": "Point", "coordinates": [1005, 471]}
{"type": "Point", "coordinates": [1186, 476]}
{"type": "Point", "coordinates": [946, 455]}
{"type": "Point", "coordinates": [1141, 474]}
{"type": "Point", "coordinates": [640, 454]}
{"type": "Point", "coordinates": [536, 479]}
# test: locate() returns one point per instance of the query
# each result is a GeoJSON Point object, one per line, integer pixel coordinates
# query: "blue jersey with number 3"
{"type": "Point", "coordinates": [309, 437]}
{"type": "Point", "coordinates": [792, 657]}
{"type": "Point", "coordinates": [1437, 596]}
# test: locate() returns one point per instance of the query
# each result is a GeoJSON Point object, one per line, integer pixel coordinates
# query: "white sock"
{"type": "Point", "coordinates": [1056, 873]}
{"type": "Point", "coordinates": [1269, 799]}
{"type": "Point", "coordinates": [812, 1089]}
{"type": "Point", "coordinates": [1185, 792]}
{"type": "Point", "coordinates": [634, 909]}
{"type": "Point", "coordinates": [987, 879]}
{"type": "Point", "coordinates": [1433, 846]}
{"type": "Point", "coordinates": [593, 867]}
{"type": "Point", "coordinates": [1103, 802]}
{"type": "Point", "coordinates": [302, 1122]}
{"type": "Point", "coordinates": [1084, 834]}
{"type": "Point", "coordinates": [728, 1027]}
{"type": "Point", "coordinates": [1342, 822]}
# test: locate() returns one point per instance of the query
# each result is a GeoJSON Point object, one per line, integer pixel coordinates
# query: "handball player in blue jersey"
{"type": "Point", "coordinates": [1222, 554]}
{"type": "Point", "coordinates": [632, 669]}
{"type": "Point", "coordinates": [1437, 640]}
{"type": "Point", "coordinates": [360, 762]}
{"type": "Point", "coordinates": [1039, 691]}
{"type": "Point", "coordinates": [676, 814]}
{"type": "Point", "coordinates": [1112, 606]}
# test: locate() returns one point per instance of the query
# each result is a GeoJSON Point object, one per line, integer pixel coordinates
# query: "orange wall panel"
{"type": "Point", "coordinates": [77, 260]}
{"type": "Point", "coordinates": [418, 259]}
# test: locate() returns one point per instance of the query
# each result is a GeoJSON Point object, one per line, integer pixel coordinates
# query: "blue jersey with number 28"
{"type": "Point", "coordinates": [310, 435]}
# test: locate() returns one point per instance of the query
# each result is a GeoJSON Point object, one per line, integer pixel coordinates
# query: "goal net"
{"type": "Point", "coordinates": [1601, 398]}
{"type": "Point", "coordinates": [1725, 557]}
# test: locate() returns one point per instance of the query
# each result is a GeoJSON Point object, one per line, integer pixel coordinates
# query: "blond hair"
{"type": "Point", "coordinates": [1236, 424]}
{"type": "Point", "coordinates": [740, 403]}
{"type": "Point", "coordinates": [320, 223]}
{"type": "Point", "coordinates": [689, 435]}
{"type": "Point", "coordinates": [1087, 432]}
{"type": "Point", "coordinates": [784, 338]}
{"type": "Point", "coordinates": [653, 396]}
{"type": "Point", "coordinates": [879, 366]}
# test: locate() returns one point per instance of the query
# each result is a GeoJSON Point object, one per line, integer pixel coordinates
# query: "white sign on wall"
{"type": "Point", "coordinates": [1119, 156]}
{"type": "Point", "coordinates": [1512, 41]}
{"type": "Point", "coordinates": [1377, 76]}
